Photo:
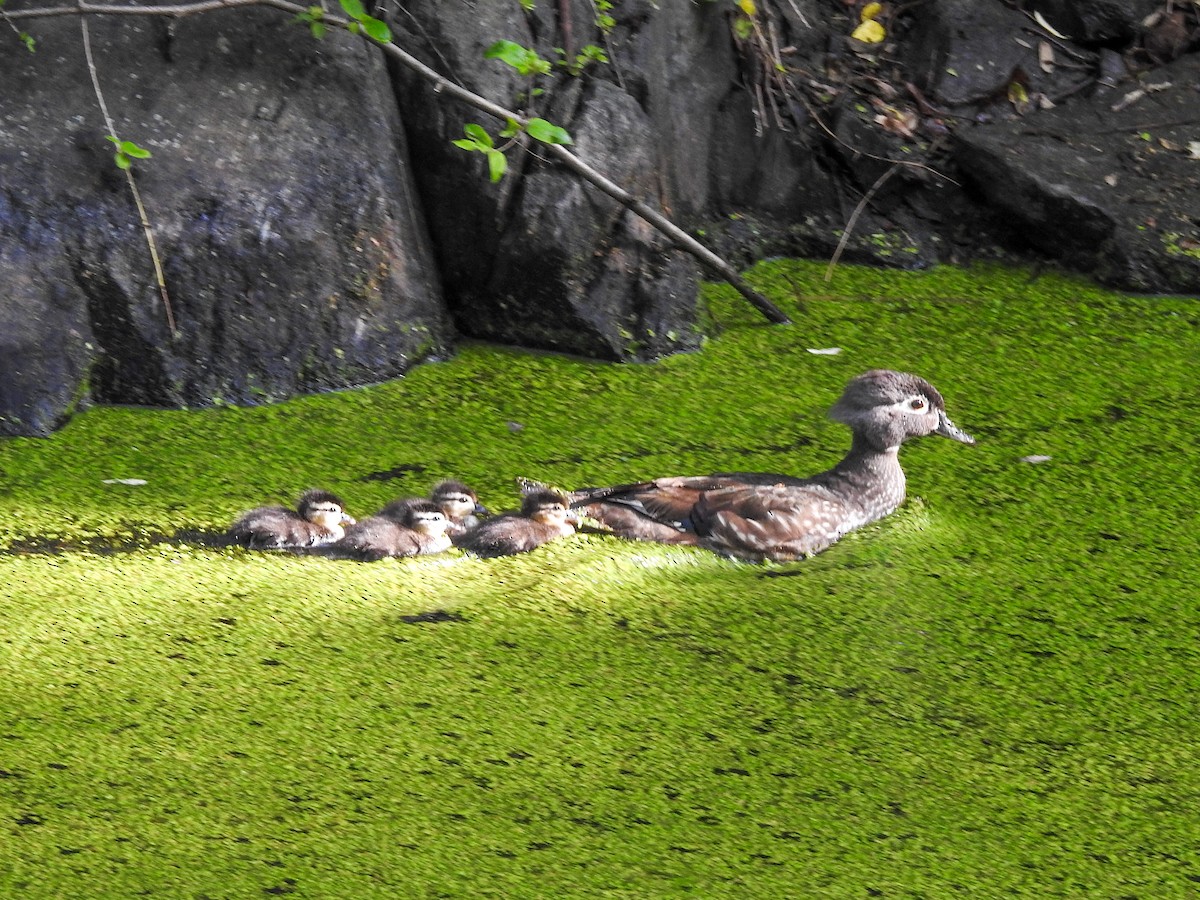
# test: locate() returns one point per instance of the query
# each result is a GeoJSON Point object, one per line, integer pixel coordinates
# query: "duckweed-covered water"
{"type": "Point", "coordinates": [993, 693]}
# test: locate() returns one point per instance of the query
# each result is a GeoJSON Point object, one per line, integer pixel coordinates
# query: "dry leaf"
{"type": "Point", "coordinates": [1046, 57]}
{"type": "Point", "coordinates": [1128, 100]}
{"type": "Point", "coordinates": [1194, 149]}
{"type": "Point", "coordinates": [901, 122]}
{"type": "Point", "coordinates": [871, 11]}
{"type": "Point", "coordinates": [1042, 21]}
{"type": "Point", "coordinates": [869, 32]}
{"type": "Point", "coordinates": [1110, 180]}
{"type": "Point", "coordinates": [1018, 96]}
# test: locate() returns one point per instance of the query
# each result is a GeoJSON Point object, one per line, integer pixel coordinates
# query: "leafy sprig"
{"type": "Point", "coordinates": [127, 152]}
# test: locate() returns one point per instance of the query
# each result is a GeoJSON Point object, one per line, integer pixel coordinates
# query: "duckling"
{"type": "Point", "coordinates": [318, 519]}
{"type": "Point", "coordinates": [403, 528]}
{"type": "Point", "coordinates": [544, 516]}
{"type": "Point", "coordinates": [761, 517]}
{"type": "Point", "coordinates": [460, 504]}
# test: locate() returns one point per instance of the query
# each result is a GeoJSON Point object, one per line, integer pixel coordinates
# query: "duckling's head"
{"type": "Point", "coordinates": [457, 500]}
{"type": "Point", "coordinates": [548, 507]}
{"type": "Point", "coordinates": [426, 517]}
{"type": "Point", "coordinates": [324, 509]}
{"type": "Point", "coordinates": [885, 408]}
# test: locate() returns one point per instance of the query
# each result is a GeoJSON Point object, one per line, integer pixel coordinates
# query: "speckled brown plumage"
{"type": "Point", "coordinates": [459, 503]}
{"type": "Point", "coordinates": [543, 517]}
{"type": "Point", "coordinates": [319, 518]}
{"type": "Point", "coordinates": [403, 528]}
{"type": "Point", "coordinates": [780, 517]}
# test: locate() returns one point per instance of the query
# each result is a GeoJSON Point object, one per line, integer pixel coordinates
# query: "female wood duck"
{"type": "Point", "coordinates": [779, 517]}
{"type": "Point", "coordinates": [459, 503]}
{"type": "Point", "coordinates": [403, 528]}
{"type": "Point", "coordinates": [544, 516]}
{"type": "Point", "coordinates": [318, 519]}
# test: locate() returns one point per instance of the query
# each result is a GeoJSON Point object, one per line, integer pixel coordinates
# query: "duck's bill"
{"type": "Point", "coordinates": [946, 428]}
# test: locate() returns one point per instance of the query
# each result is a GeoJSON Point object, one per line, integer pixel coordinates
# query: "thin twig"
{"type": "Point", "coordinates": [133, 188]}
{"type": "Point", "coordinates": [444, 85]}
{"type": "Point", "coordinates": [862, 204]}
{"type": "Point", "coordinates": [896, 162]}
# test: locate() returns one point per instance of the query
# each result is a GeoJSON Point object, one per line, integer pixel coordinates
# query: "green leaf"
{"type": "Point", "coordinates": [377, 30]}
{"type": "Point", "coordinates": [129, 148]}
{"type": "Point", "coordinates": [354, 8]}
{"type": "Point", "coordinates": [467, 144]}
{"type": "Point", "coordinates": [113, 139]}
{"type": "Point", "coordinates": [524, 60]}
{"type": "Point", "coordinates": [28, 41]}
{"type": "Point", "coordinates": [505, 50]}
{"type": "Point", "coordinates": [353, 28]}
{"type": "Point", "coordinates": [479, 134]}
{"type": "Point", "coordinates": [122, 161]}
{"type": "Point", "coordinates": [497, 164]}
{"type": "Point", "coordinates": [547, 133]}
{"type": "Point", "coordinates": [318, 29]}
{"type": "Point", "coordinates": [527, 5]}
{"type": "Point", "coordinates": [511, 129]}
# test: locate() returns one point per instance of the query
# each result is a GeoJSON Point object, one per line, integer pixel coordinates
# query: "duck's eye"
{"type": "Point", "coordinates": [917, 403]}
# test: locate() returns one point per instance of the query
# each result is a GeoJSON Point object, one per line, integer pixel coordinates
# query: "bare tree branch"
{"type": "Point", "coordinates": [147, 229]}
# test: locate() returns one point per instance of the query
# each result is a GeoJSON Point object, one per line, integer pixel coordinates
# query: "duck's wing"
{"type": "Point", "coordinates": [505, 535]}
{"type": "Point", "coordinates": [376, 537]}
{"type": "Point", "coordinates": [779, 521]}
{"type": "Point", "coordinates": [270, 528]}
{"type": "Point", "coordinates": [659, 510]}
{"type": "Point", "coordinates": [633, 521]}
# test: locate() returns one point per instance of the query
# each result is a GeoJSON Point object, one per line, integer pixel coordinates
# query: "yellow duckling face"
{"type": "Point", "coordinates": [458, 502]}
{"type": "Point", "coordinates": [328, 514]}
{"type": "Point", "coordinates": [429, 522]}
{"type": "Point", "coordinates": [555, 515]}
{"type": "Point", "coordinates": [457, 506]}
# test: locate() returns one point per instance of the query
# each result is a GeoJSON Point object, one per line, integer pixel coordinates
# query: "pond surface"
{"type": "Point", "coordinates": [993, 692]}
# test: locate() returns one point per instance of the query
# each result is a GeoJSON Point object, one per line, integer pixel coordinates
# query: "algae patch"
{"type": "Point", "coordinates": [990, 691]}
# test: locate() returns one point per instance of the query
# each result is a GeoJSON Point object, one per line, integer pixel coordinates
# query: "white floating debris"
{"type": "Point", "coordinates": [132, 481]}
{"type": "Point", "coordinates": [1036, 458]}
{"type": "Point", "coordinates": [826, 351]}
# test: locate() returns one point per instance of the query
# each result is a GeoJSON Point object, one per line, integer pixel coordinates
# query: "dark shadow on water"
{"type": "Point", "coordinates": [109, 545]}
{"type": "Point", "coordinates": [433, 617]}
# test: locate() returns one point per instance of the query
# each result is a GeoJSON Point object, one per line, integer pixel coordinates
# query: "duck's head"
{"type": "Point", "coordinates": [457, 500]}
{"type": "Point", "coordinates": [324, 509]}
{"type": "Point", "coordinates": [549, 508]}
{"type": "Point", "coordinates": [426, 517]}
{"type": "Point", "coordinates": [886, 408]}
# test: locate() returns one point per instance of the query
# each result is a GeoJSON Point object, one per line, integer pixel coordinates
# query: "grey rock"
{"type": "Point", "coordinates": [1114, 193]}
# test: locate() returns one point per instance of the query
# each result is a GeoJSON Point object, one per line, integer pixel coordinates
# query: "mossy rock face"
{"type": "Point", "coordinates": [989, 692]}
